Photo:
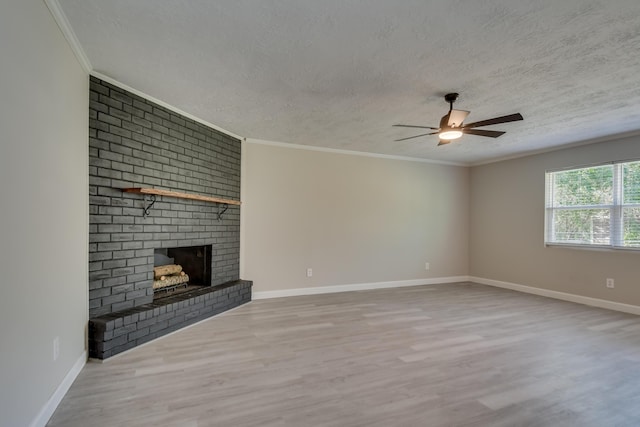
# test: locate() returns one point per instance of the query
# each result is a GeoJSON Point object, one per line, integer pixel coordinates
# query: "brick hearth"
{"type": "Point", "coordinates": [119, 331]}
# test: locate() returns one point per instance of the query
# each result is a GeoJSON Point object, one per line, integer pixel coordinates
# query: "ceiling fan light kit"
{"type": "Point", "coordinates": [449, 134]}
{"type": "Point", "coordinates": [452, 124]}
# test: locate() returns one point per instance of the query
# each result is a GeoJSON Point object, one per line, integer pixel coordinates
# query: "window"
{"type": "Point", "coordinates": [594, 206]}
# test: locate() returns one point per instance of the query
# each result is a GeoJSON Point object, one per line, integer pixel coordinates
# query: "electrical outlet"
{"type": "Point", "coordinates": [309, 272]}
{"type": "Point", "coordinates": [427, 266]}
{"type": "Point", "coordinates": [610, 283]}
{"type": "Point", "coordinates": [56, 348]}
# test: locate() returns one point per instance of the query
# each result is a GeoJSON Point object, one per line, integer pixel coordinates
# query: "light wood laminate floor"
{"type": "Point", "coordinates": [442, 355]}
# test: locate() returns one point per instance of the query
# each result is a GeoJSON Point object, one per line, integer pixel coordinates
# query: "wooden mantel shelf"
{"type": "Point", "coordinates": [178, 195]}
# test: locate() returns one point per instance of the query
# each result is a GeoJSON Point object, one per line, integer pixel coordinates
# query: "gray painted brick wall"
{"type": "Point", "coordinates": [136, 143]}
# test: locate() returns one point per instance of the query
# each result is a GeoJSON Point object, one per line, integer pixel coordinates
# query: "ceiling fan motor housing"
{"type": "Point", "coordinates": [451, 97]}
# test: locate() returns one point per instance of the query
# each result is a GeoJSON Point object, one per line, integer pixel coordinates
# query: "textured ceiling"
{"type": "Point", "coordinates": [339, 73]}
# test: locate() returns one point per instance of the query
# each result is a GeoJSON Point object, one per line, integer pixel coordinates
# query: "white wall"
{"type": "Point", "coordinates": [44, 180]}
{"type": "Point", "coordinates": [353, 219]}
{"type": "Point", "coordinates": [507, 228]}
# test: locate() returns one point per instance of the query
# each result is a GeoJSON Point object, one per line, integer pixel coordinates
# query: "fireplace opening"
{"type": "Point", "coordinates": [179, 270]}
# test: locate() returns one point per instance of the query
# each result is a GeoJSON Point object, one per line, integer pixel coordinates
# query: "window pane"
{"type": "Point", "coordinates": [582, 226]}
{"type": "Point", "coordinates": [587, 186]}
{"type": "Point", "coordinates": [631, 226]}
{"type": "Point", "coordinates": [631, 182]}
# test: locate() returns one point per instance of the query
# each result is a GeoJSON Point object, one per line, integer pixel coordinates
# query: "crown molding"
{"type": "Point", "coordinates": [121, 85]}
{"type": "Point", "coordinates": [590, 141]}
{"type": "Point", "coordinates": [69, 35]}
{"type": "Point", "coordinates": [350, 152]}
{"type": "Point", "coordinates": [64, 25]}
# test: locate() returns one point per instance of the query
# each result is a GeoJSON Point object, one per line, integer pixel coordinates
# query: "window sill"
{"type": "Point", "coordinates": [592, 247]}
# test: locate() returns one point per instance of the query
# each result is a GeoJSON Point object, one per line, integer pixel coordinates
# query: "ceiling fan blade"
{"type": "Point", "coordinates": [495, 121]}
{"type": "Point", "coordinates": [443, 142]}
{"type": "Point", "coordinates": [480, 132]}
{"type": "Point", "coordinates": [411, 137]}
{"type": "Point", "coordinates": [456, 117]}
{"type": "Point", "coordinates": [419, 127]}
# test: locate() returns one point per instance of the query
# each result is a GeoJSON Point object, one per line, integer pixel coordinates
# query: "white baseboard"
{"type": "Point", "coordinates": [49, 408]}
{"type": "Point", "coordinates": [595, 302]}
{"type": "Point", "coordinates": [355, 287]}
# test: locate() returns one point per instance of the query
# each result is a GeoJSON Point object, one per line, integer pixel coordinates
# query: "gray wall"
{"type": "Point", "coordinates": [136, 143]}
{"type": "Point", "coordinates": [507, 228]}
{"type": "Point", "coordinates": [353, 219]}
{"type": "Point", "coordinates": [44, 96]}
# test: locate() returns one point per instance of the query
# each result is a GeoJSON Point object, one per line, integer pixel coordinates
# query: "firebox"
{"type": "Point", "coordinates": [177, 270]}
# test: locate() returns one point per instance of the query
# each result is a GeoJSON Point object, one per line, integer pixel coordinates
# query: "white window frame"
{"type": "Point", "coordinates": [616, 233]}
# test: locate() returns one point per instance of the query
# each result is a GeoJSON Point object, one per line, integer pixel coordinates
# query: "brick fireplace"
{"type": "Point", "coordinates": [135, 143]}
